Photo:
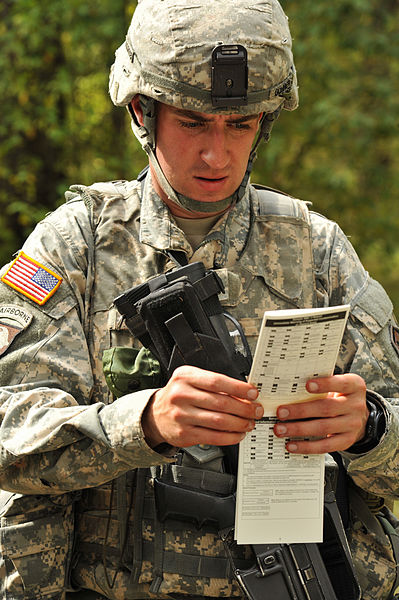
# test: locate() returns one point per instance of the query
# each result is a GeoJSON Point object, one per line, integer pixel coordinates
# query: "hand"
{"type": "Point", "coordinates": [201, 407]}
{"type": "Point", "coordinates": [339, 419]}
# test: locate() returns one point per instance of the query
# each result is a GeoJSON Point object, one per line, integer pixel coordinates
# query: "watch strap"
{"type": "Point", "coordinates": [375, 427]}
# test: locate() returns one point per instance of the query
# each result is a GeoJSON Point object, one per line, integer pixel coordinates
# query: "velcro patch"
{"type": "Point", "coordinates": [13, 320]}
{"type": "Point", "coordinates": [32, 279]}
{"type": "Point", "coordinates": [395, 337]}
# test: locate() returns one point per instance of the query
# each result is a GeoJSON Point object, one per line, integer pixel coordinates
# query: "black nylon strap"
{"type": "Point", "coordinates": [158, 557]}
{"type": "Point", "coordinates": [137, 525]}
{"type": "Point", "coordinates": [178, 257]}
{"type": "Point", "coordinates": [183, 335]}
{"type": "Point", "coordinates": [341, 493]}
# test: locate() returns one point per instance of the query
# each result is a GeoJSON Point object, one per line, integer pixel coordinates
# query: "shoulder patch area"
{"type": "Point", "coordinates": [13, 320]}
{"type": "Point", "coordinates": [32, 279]}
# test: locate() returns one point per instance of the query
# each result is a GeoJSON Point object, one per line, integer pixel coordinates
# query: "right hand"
{"type": "Point", "coordinates": [200, 407]}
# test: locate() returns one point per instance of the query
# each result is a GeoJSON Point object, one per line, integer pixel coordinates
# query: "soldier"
{"type": "Point", "coordinates": [203, 83]}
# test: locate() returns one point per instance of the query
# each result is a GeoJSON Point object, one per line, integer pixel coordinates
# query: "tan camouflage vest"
{"type": "Point", "coordinates": [177, 557]}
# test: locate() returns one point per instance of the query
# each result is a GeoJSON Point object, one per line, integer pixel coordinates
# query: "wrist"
{"type": "Point", "coordinates": [151, 432]}
{"type": "Point", "coordinates": [375, 426]}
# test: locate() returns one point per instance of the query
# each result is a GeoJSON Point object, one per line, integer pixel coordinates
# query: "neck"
{"type": "Point", "coordinates": [197, 210]}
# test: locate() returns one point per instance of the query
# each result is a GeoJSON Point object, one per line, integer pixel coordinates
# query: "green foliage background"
{"type": "Point", "coordinates": [339, 149]}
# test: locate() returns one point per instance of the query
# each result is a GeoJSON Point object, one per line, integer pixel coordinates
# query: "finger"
{"type": "Point", "coordinates": [202, 426]}
{"type": "Point", "coordinates": [333, 443]}
{"type": "Point", "coordinates": [214, 411]}
{"type": "Point", "coordinates": [216, 382]}
{"type": "Point", "coordinates": [331, 406]}
{"type": "Point", "coordinates": [220, 421]}
{"type": "Point", "coordinates": [187, 425]}
{"type": "Point", "coordinates": [346, 384]}
{"type": "Point", "coordinates": [316, 427]}
{"type": "Point", "coordinates": [223, 403]}
{"type": "Point", "coordinates": [201, 435]}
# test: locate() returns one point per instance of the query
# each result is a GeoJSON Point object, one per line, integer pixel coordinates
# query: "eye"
{"type": "Point", "coordinates": [239, 126]}
{"type": "Point", "coordinates": [191, 124]}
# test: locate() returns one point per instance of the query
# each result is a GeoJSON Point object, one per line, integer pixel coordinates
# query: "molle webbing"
{"type": "Point", "coordinates": [98, 501]}
{"type": "Point", "coordinates": [173, 562]}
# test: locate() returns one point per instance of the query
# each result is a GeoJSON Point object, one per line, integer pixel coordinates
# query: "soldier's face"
{"type": "Point", "coordinates": [203, 156]}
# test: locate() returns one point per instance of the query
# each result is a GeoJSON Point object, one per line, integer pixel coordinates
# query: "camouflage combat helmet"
{"type": "Point", "coordinates": [212, 56]}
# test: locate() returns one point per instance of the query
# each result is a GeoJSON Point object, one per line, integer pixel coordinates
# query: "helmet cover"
{"type": "Point", "coordinates": [167, 54]}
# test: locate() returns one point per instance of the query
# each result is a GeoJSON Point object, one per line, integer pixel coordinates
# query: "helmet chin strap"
{"type": "Point", "coordinates": [146, 135]}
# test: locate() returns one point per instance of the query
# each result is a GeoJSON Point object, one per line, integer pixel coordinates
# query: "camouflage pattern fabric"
{"type": "Point", "coordinates": [172, 64]}
{"type": "Point", "coordinates": [61, 431]}
{"type": "Point", "coordinates": [36, 543]}
{"type": "Point", "coordinates": [168, 56]}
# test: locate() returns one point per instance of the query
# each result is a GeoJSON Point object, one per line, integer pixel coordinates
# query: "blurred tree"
{"type": "Point", "coordinates": [339, 149]}
{"type": "Point", "coordinates": [58, 125]}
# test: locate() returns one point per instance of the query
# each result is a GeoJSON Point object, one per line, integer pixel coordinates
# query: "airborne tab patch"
{"type": "Point", "coordinates": [32, 279]}
{"type": "Point", "coordinates": [13, 320]}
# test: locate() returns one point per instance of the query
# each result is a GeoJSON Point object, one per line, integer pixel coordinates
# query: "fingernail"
{"type": "Point", "coordinates": [259, 412]}
{"type": "Point", "coordinates": [292, 447]}
{"type": "Point", "coordinates": [283, 413]}
{"type": "Point", "coordinates": [313, 387]}
{"type": "Point", "coordinates": [250, 426]}
{"type": "Point", "coordinates": [281, 429]}
{"type": "Point", "coordinates": [242, 436]}
{"type": "Point", "coordinates": [252, 394]}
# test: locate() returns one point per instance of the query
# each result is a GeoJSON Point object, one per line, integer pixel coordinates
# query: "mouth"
{"type": "Point", "coordinates": [211, 181]}
{"type": "Point", "coordinates": [212, 185]}
{"type": "Point", "coordinates": [211, 178]}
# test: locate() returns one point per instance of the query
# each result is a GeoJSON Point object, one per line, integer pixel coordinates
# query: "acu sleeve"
{"type": "Point", "coordinates": [369, 350]}
{"type": "Point", "coordinates": [52, 439]}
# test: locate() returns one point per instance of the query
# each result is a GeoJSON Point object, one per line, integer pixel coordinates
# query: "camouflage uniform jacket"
{"type": "Point", "coordinates": [60, 429]}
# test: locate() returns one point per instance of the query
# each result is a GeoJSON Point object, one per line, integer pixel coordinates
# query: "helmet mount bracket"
{"type": "Point", "coordinates": [229, 76]}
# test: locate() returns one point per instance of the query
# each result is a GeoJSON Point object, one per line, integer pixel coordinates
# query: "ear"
{"type": "Point", "coordinates": [136, 108]}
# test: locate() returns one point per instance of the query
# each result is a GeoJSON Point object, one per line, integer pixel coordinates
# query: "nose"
{"type": "Point", "coordinates": [215, 152]}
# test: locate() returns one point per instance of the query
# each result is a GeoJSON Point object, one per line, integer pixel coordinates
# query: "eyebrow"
{"type": "Point", "coordinates": [190, 114]}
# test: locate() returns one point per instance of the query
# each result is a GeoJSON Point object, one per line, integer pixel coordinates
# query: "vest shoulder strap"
{"type": "Point", "coordinates": [291, 234]}
{"type": "Point", "coordinates": [275, 203]}
{"type": "Point", "coordinates": [122, 187]}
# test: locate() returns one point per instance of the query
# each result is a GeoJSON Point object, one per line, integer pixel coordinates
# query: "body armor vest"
{"type": "Point", "coordinates": [174, 555]}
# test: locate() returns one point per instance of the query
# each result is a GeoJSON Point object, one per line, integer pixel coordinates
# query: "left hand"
{"type": "Point", "coordinates": [336, 421]}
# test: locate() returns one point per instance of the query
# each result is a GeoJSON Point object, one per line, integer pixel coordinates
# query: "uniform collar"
{"type": "Point", "coordinates": [157, 227]}
{"type": "Point", "coordinates": [221, 247]}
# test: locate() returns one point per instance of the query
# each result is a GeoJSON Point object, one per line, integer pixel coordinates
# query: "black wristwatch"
{"type": "Point", "coordinates": [375, 427]}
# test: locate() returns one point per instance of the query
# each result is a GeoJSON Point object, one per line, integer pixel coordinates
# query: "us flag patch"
{"type": "Point", "coordinates": [32, 279]}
